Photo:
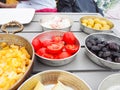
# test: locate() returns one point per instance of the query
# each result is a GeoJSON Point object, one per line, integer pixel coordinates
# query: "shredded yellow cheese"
{"type": "Point", "coordinates": [14, 61]}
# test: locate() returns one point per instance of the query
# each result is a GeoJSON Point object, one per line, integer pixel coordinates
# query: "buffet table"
{"type": "Point", "coordinates": [82, 66]}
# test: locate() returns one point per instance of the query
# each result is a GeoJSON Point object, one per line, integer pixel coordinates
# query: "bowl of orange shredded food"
{"type": "Point", "coordinates": [16, 61]}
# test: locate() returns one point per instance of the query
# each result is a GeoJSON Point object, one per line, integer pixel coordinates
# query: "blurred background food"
{"type": "Point", "coordinates": [96, 24]}
{"type": "Point", "coordinates": [56, 22]}
{"type": "Point", "coordinates": [92, 24]}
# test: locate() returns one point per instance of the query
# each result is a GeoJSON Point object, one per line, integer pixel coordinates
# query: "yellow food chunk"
{"type": "Point", "coordinates": [89, 26]}
{"type": "Point", "coordinates": [84, 21]}
{"type": "Point", "coordinates": [97, 20]}
{"type": "Point", "coordinates": [3, 44]}
{"type": "Point", "coordinates": [105, 27]}
{"type": "Point", "coordinates": [85, 24]}
{"type": "Point", "coordinates": [97, 26]}
{"type": "Point", "coordinates": [59, 86]}
{"type": "Point", "coordinates": [39, 86]}
{"type": "Point", "coordinates": [91, 22]}
{"type": "Point", "coordinates": [103, 22]}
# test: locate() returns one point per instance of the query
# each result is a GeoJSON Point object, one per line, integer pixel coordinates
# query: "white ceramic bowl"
{"type": "Point", "coordinates": [50, 77]}
{"type": "Point", "coordinates": [112, 82]}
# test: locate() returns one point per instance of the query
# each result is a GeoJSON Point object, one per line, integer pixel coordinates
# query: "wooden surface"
{"type": "Point", "coordinates": [82, 66]}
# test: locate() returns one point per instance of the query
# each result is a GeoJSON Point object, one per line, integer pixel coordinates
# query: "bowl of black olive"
{"type": "Point", "coordinates": [103, 49]}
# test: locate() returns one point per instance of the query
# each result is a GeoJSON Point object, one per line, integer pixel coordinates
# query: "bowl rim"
{"type": "Point", "coordinates": [55, 70]}
{"type": "Point", "coordinates": [106, 78]}
{"type": "Point", "coordinates": [56, 60]}
{"type": "Point", "coordinates": [100, 17]}
{"type": "Point", "coordinates": [101, 59]}
{"type": "Point", "coordinates": [51, 16]}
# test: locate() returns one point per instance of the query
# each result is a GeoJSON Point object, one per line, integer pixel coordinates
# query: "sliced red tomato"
{"type": "Point", "coordinates": [57, 38]}
{"type": "Point", "coordinates": [64, 55]}
{"type": "Point", "coordinates": [41, 51]}
{"type": "Point", "coordinates": [61, 42]}
{"type": "Point", "coordinates": [46, 43]}
{"type": "Point", "coordinates": [69, 38]}
{"type": "Point", "coordinates": [55, 56]}
{"type": "Point", "coordinates": [47, 55]}
{"type": "Point", "coordinates": [54, 48]}
{"type": "Point", "coordinates": [36, 44]}
{"type": "Point", "coordinates": [71, 48]}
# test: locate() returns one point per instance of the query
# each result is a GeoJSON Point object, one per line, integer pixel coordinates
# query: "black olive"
{"type": "Point", "coordinates": [104, 49]}
{"type": "Point", "coordinates": [95, 48]}
{"type": "Point", "coordinates": [99, 41]}
{"type": "Point", "coordinates": [117, 60]}
{"type": "Point", "coordinates": [100, 46]}
{"type": "Point", "coordinates": [89, 45]}
{"type": "Point", "coordinates": [115, 54]}
{"type": "Point", "coordinates": [106, 54]}
{"type": "Point", "coordinates": [92, 41]}
{"type": "Point", "coordinates": [104, 43]}
{"type": "Point", "coordinates": [114, 46]}
{"type": "Point", "coordinates": [100, 54]}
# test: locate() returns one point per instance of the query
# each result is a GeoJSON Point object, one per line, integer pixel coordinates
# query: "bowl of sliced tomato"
{"type": "Point", "coordinates": [56, 48]}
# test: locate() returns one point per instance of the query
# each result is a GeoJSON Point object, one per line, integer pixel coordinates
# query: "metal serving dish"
{"type": "Point", "coordinates": [100, 61]}
{"type": "Point", "coordinates": [20, 41]}
{"type": "Point", "coordinates": [51, 77]}
{"type": "Point", "coordinates": [51, 19]}
{"type": "Point", "coordinates": [90, 30]}
{"type": "Point", "coordinates": [55, 62]}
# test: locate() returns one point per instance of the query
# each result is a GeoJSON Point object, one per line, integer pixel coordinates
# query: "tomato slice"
{"type": "Point", "coordinates": [69, 38]}
{"type": "Point", "coordinates": [61, 42]}
{"type": "Point", "coordinates": [41, 51]}
{"type": "Point", "coordinates": [36, 44]}
{"type": "Point", "coordinates": [47, 55]}
{"type": "Point", "coordinates": [47, 42]}
{"type": "Point", "coordinates": [71, 48]}
{"type": "Point", "coordinates": [64, 55]}
{"type": "Point", "coordinates": [54, 48]}
{"type": "Point", "coordinates": [57, 38]}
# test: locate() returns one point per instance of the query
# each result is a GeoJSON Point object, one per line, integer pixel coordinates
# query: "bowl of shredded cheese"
{"type": "Point", "coordinates": [16, 61]}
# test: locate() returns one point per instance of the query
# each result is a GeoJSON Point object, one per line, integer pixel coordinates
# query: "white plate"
{"type": "Point", "coordinates": [24, 16]}
{"type": "Point", "coordinates": [111, 82]}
